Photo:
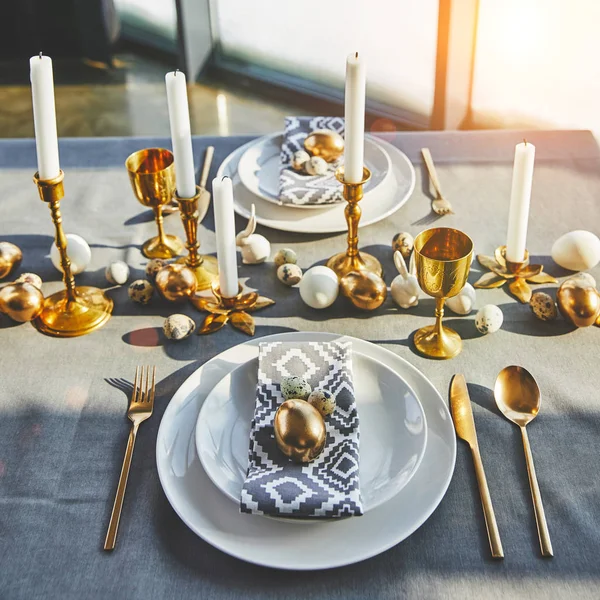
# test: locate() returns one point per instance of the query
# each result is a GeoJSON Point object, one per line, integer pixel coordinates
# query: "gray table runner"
{"type": "Point", "coordinates": [63, 430]}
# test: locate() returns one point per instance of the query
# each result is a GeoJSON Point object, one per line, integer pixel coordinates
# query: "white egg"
{"type": "Point", "coordinates": [319, 287]}
{"type": "Point", "coordinates": [117, 272]}
{"type": "Point", "coordinates": [463, 302]}
{"type": "Point", "coordinates": [577, 250]}
{"type": "Point", "coordinates": [489, 319]}
{"type": "Point", "coordinates": [78, 251]}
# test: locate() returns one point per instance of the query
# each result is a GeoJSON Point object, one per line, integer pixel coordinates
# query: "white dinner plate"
{"type": "Point", "coordinates": [275, 542]}
{"type": "Point", "coordinates": [260, 165]}
{"type": "Point", "coordinates": [393, 431]}
{"type": "Point", "coordinates": [386, 199]}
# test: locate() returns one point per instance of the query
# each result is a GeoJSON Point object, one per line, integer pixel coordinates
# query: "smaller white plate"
{"type": "Point", "coordinates": [260, 165]}
{"type": "Point", "coordinates": [393, 430]}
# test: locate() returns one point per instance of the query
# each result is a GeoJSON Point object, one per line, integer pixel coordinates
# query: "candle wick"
{"type": "Point", "coordinates": [356, 55]}
{"type": "Point", "coordinates": [40, 55]}
{"type": "Point", "coordinates": [525, 141]}
{"type": "Point", "coordinates": [176, 71]}
{"type": "Point", "coordinates": [224, 178]}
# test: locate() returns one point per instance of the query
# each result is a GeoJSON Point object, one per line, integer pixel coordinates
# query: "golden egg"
{"type": "Point", "coordinates": [578, 301]}
{"type": "Point", "coordinates": [365, 290]}
{"type": "Point", "coordinates": [22, 302]}
{"type": "Point", "coordinates": [10, 258]}
{"type": "Point", "coordinates": [299, 430]}
{"type": "Point", "coordinates": [176, 282]}
{"type": "Point", "coordinates": [325, 143]}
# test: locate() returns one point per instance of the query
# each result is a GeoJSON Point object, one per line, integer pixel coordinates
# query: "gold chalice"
{"type": "Point", "coordinates": [443, 260]}
{"type": "Point", "coordinates": [152, 175]}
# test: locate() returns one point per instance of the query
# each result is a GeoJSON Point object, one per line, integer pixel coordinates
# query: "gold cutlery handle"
{"type": "Point", "coordinates": [115, 517]}
{"type": "Point", "coordinates": [432, 172]}
{"type": "Point", "coordinates": [488, 509]}
{"type": "Point", "coordinates": [208, 156]}
{"type": "Point", "coordinates": [540, 515]}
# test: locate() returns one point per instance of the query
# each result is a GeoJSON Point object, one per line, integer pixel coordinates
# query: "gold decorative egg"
{"type": "Point", "coordinates": [10, 258]}
{"type": "Point", "coordinates": [176, 282]}
{"type": "Point", "coordinates": [299, 430]}
{"type": "Point", "coordinates": [365, 290]}
{"type": "Point", "coordinates": [325, 143]}
{"type": "Point", "coordinates": [21, 302]}
{"type": "Point", "coordinates": [578, 301]}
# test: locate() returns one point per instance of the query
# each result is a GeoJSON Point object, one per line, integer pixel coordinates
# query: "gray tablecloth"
{"type": "Point", "coordinates": [63, 430]}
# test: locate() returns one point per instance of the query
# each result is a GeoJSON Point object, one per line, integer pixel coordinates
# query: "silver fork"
{"type": "Point", "coordinates": [140, 409]}
{"type": "Point", "coordinates": [439, 205]}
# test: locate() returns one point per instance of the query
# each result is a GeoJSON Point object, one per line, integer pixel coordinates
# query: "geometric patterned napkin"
{"type": "Point", "coordinates": [329, 485]}
{"type": "Point", "coordinates": [299, 188]}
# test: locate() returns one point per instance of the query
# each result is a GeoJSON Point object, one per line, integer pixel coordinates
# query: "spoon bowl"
{"type": "Point", "coordinates": [517, 395]}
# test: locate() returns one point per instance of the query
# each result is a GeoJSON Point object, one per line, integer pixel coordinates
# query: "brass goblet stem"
{"type": "Point", "coordinates": [76, 310]}
{"type": "Point", "coordinates": [353, 259]}
{"type": "Point", "coordinates": [158, 217]}
{"type": "Point", "coordinates": [205, 267]}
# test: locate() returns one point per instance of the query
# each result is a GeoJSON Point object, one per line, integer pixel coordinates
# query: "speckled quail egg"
{"type": "Point", "coordinates": [289, 274]}
{"type": "Point", "coordinates": [154, 266]}
{"type": "Point", "coordinates": [403, 242]}
{"type": "Point", "coordinates": [141, 291]}
{"type": "Point", "coordinates": [295, 387]}
{"type": "Point", "coordinates": [285, 256]}
{"type": "Point", "coordinates": [117, 272]}
{"type": "Point", "coordinates": [178, 327]}
{"type": "Point", "coordinates": [489, 319]}
{"type": "Point", "coordinates": [323, 401]}
{"type": "Point", "coordinates": [299, 159]}
{"type": "Point", "coordinates": [31, 278]}
{"type": "Point", "coordinates": [543, 306]}
{"type": "Point", "coordinates": [316, 166]}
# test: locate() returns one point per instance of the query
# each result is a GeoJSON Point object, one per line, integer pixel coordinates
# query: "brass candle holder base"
{"type": "Point", "coordinates": [169, 246]}
{"type": "Point", "coordinates": [61, 317]}
{"type": "Point", "coordinates": [192, 210]}
{"type": "Point", "coordinates": [234, 310]}
{"type": "Point", "coordinates": [76, 310]}
{"type": "Point", "coordinates": [518, 275]}
{"type": "Point", "coordinates": [352, 259]}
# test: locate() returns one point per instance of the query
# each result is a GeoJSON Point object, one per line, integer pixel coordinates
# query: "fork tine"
{"type": "Point", "coordinates": [135, 386]}
{"type": "Point", "coordinates": [153, 389]}
{"type": "Point", "coordinates": [147, 386]}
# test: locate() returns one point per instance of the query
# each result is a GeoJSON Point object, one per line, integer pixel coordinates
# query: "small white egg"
{"type": "Point", "coordinates": [299, 159]}
{"type": "Point", "coordinates": [577, 250]}
{"type": "Point", "coordinates": [285, 256]}
{"type": "Point", "coordinates": [117, 272]}
{"type": "Point", "coordinates": [31, 278]}
{"type": "Point", "coordinates": [489, 319]}
{"type": "Point", "coordinates": [316, 166]}
{"type": "Point", "coordinates": [289, 274]}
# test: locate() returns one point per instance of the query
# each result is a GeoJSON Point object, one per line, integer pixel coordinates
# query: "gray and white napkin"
{"type": "Point", "coordinates": [299, 189]}
{"type": "Point", "coordinates": [328, 486]}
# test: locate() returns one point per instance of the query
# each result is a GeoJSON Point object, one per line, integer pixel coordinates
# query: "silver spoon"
{"type": "Point", "coordinates": [518, 397]}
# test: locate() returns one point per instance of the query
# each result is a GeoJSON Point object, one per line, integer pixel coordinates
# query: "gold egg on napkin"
{"type": "Point", "coordinates": [299, 430]}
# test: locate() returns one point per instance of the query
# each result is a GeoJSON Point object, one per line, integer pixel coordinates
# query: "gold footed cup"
{"type": "Point", "coordinates": [443, 260]}
{"type": "Point", "coordinates": [152, 175]}
{"type": "Point", "coordinates": [76, 310]}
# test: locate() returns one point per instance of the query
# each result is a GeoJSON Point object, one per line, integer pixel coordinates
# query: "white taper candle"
{"type": "Point", "coordinates": [225, 232]}
{"type": "Point", "coordinates": [44, 116]}
{"type": "Point", "coordinates": [518, 214]}
{"type": "Point", "coordinates": [181, 134]}
{"type": "Point", "coordinates": [354, 113]}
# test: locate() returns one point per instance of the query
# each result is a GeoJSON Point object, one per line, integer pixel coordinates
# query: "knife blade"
{"type": "Point", "coordinates": [462, 415]}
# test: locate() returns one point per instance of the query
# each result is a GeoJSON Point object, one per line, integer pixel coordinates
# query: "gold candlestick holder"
{"type": "Point", "coordinates": [234, 310]}
{"type": "Point", "coordinates": [78, 309]}
{"type": "Point", "coordinates": [517, 274]}
{"type": "Point", "coordinates": [205, 267]}
{"type": "Point", "coordinates": [352, 259]}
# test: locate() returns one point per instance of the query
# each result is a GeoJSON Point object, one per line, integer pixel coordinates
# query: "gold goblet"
{"type": "Point", "coordinates": [152, 175]}
{"type": "Point", "coordinates": [443, 260]}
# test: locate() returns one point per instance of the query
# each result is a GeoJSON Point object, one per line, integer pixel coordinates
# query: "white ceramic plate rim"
{"type": "Point", "coordinates": [214, 474]}
{"type": "Point", "coordinates": [327, 223]}
{"type": "Point", "coordinates": [390, 515]}
{"type": "Point", "coordinates": [247, 164]}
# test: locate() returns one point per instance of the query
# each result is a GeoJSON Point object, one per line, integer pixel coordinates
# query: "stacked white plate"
{"type": "Point", "coordinates": [407, 453]}
{"type": "Point", "coordinates": [254, 169]}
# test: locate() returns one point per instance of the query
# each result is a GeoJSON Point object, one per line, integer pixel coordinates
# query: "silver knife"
{"type": "Point", "coordinates": [462, 415]}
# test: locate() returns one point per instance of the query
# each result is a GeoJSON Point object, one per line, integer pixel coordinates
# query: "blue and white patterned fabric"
{"type": "Point", "coordinates": [299, 188]}
{"type": "Point", "coordinates": [328, 486]}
